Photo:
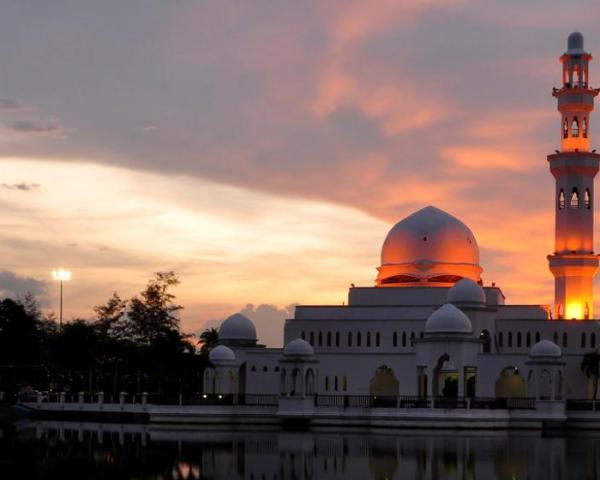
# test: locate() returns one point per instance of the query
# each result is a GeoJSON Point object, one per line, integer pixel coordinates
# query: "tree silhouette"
{"type": "Point", "coordinates": [590, 366]}
{"type": "Point", "coordinates": [208, 338]}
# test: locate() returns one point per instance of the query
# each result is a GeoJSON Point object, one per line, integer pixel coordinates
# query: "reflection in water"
{"type": "Point", "coordinates": [66, 450]}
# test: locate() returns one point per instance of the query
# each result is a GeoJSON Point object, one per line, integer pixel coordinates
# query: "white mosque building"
{"type": "Point", "coordinates": [430, 330]}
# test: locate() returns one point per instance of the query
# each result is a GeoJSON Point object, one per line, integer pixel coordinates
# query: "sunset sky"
{"type": "Point", "coordinates": [263, 149]}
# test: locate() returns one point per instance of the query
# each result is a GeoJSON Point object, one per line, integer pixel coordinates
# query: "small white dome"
{"type": "Point", "coordinates": [448, 319]}
{"type": "Point", "coordinates": [466, 291]}
{"type": "Point", "coordinates": [237, 327]}
{"type": "Point", "coordinates": [299, 348]}
{"type": "Point", "coordinates": [221, 353]}
{"type": "Point", "coordinates": [545, 348]}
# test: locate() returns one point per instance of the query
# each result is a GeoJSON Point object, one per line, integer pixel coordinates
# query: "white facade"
{"type": "Point", "coordinates": [430, 328]}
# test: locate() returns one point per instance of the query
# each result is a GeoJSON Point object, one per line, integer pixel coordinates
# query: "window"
{"type": "Point", "coordinates": [368, 339]}
{"type": "Point", "coordinates": [303, 335]}
{"type": "Point", "coordinates": [519, 339]}
{"type": "Point", "coordinates": [593, 340]}
{"type": "Point", "coordinates": [335, 383]}
{"type": "Point", "coordinates": [377, 339]}
{"type": "Point", "coordinates": [421, 335]}
{"type": "Point", "coordinates": [587, 199]}
{"type": "Point", "coordinates": [586, 311]}
{"type": "Point", "coordinates": [344, 383]}
{"type": "Point", "coordinates": [404, 339]}
{"type": "Point", "coordinates": [574, 198]}
{"type": "Point", "coordinates": [566, 129]}
{"type": "Point", "coordinates": [337, 339]}
{"type": "Point", "coordinates": [528, 339]}
{"type": "Point", "coordinates": [349, 339]}
{"type": "Point", "coordinates": [326, 384]}
{"type": "Point", "coordinates": [277, 368]}
{"type": "Point", "coordinates": [555, 337]}
{"type": "Point", "coordinates": [320, 339]}
{"type": "Point", "coordinates": [564, 340]}
{"type": "Point", "coordinates": [583, 340]}
{"type": "Point", "coordinates": [500, 339]}
{"type": "Point", "coordinates": [253, 368]}
{"type": "Point", "coordinates": [575, 127]}
{"type": "Point", "coordinates": [265, 369]}
{"type": "Point", "coordinates": [358, 339]}
{"type": "Point", "coordinates": [561, 199]}
{"type": "Point", "coordinates": [509, 342]}
{"type": "Point", "coordinates": [312, 338]}
{"type": "Point", "coordinates": [537, 337]}
{"type": "Point", "coordinates": [395, 339]}
{"type": "Point", "coordinates": [329, 339]}
{"type": "Point", "coordinates": [584, 128]}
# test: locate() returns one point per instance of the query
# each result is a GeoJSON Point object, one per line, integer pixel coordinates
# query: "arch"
{"type": "Point", "coordinates": [555, 337]}
{"type": "Point", "coordinates": [326, 383]}
{"type": "Point", "coordinates": [309, 383]}
{"type": "Point", "coordinates": [583, 340]}
{"type": "Point", "coordinates": [335, 383]}
{"type": "Point", "coordinates": [445, 378]}
{"type": "Point", "coordinates": [349, 339]}
{"type": "Point", "coordinates": [320, 339]}
{"type": "Point", "coordinates": [265, 369]}
{"type": "Point", "coordinates": [384, 382]}
{"type": "Point", "coordinates": [368, 339]}
{"type": "Point", "coordinates": [564, 339]}
{"type": "Point", "coordinates": [561, 199]}
{"type": "Point", "coordinates": [537, 337]}
{"type": "Point", "coordinates": [312, 338]}
{"type": "Point", "coordinates": [253, 368]}
{"type": "Point", "coordinates": [358, 339]}
{"type": "Point", "coordinates": [509, 340]}
{"type": "Point", "coordinates": [345, 383]}
{"type": "Point", "coordinates": [566, 129]}
{"type": "Point", "coordinates": [395, 339]}
{"type": "Point", "coordinates": [574, 203]}
{"type": "Point", "coordinates": [510, 384]}
{"type": "Point", "coordinates": [545, 385]}
{"type": "Point", "coordinates": [519, 340]}
{"type": "Point", "coordinates": [377, 339]}
{"type": "Point", "coordinates": [283, 382]}
{"type": "Point", "coordinates": [329, 339]}
{"type": "Point", "coordinates": [528, 340]}
{"type": "Point", "coordinates": [337, 339]}
{"type": "Point", "coordinates": [303, 336]}
{"type": "Point", "coordinates": [593, 340]}
{"type": "Point", "coordinates": [574, 127]}
{"type": "Point", "coordinates": [404, 339]}
{"type": "Point", "coordinates": [500, 339]}
{"type": "Point", "coordinates": [584, 130]}
{"type": "Point", "coordinates": [486, 341]}
{"type": "Point", "coordinates": [412, 337]}
{"type": "Point", "coordinates": [296, 383]}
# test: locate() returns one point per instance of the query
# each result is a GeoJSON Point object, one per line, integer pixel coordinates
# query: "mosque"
{"type": "Point", "coordinates": [430, 330]}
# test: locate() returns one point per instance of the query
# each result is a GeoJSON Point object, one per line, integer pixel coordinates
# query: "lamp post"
{"type": "Point", "coordinates": [61, 275]}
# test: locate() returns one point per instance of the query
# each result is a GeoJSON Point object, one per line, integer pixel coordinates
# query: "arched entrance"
{"type": "Point", "coordinates": [384, 383]}
{"type": "Point", "coordinates": [445, 380]}
{"type": "Point", "coordinates": [510, 384]}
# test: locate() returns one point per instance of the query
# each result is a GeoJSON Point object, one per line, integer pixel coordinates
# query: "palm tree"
{"type": "Point", "coordinates": [207, 339]}
{"type": "Point", "coordinates": [590, 366]}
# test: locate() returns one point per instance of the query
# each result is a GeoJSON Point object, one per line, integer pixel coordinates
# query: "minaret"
{"type": "Point", "coordinates": [574, 263]}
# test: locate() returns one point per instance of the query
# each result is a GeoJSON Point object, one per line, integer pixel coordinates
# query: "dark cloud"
{"type": "Point", "coordinates": [29, 126]}
{"type": "Point", "coordinates": [13, 285]}
{"type": "Point", "coordinates": [23, 186]}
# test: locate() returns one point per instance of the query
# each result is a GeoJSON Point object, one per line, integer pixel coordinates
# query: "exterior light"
{"type": "Point", "coordinates": [61, 275]}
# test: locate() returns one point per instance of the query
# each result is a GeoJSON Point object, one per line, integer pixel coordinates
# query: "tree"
{"type": "Point", "coordinates": [590, 366]}
{"type": "Point", "coordinates": [110, 317]}
{"type": "Point", "coordinates": [208, 338]}
{"type": "Point", "coordinates": [152, 314]}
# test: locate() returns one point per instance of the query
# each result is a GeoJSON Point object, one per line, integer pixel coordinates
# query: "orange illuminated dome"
{"type": "Point", "coordinates": [429, 248]}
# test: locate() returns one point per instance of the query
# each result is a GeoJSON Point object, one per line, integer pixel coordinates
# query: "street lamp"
{"type": "Point", "coordinates": [61, 275]}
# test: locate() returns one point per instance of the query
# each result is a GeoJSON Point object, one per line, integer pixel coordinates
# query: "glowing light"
{"type": "Point", "coordinates": [574, 311]}
{"type": "Point", "coordinates": [61, 274]}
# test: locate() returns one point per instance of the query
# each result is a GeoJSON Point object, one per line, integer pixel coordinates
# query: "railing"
{"type": "Point", "coordinates": [583, 405]}
{"type": "Point", "coordinates": [375, 401]}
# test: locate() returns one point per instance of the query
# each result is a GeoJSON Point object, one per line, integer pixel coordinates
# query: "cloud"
{"type": "Point", "coordinates": [30, 126]}
{"type": "Point", "coordinates": [13, 285]}
{"type": "Point", "coordinates": [23, 186]}
{"type": "Point", "coordinates": [9, 105]}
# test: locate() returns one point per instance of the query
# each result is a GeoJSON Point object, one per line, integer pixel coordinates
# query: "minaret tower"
{"type": "Point", "coordinates": [574, 263]}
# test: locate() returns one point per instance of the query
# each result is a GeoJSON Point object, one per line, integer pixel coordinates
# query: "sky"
{"type": "Point", "coordinates": [262, 150]}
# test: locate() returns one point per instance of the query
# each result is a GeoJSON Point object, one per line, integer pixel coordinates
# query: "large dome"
{"type": "Point", "coordinates": [448, 319]}
{"type": "Point", "coordinates": [429, 246]}
{"type": "Point", "coordinates": [237, 327]}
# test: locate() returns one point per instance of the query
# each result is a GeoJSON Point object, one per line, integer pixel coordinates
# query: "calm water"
{"type": "Point", "coordinates": [112, 451]}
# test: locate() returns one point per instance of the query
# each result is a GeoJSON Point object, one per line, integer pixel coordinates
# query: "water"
{"type": "Point", "coordinates": [65, 450]}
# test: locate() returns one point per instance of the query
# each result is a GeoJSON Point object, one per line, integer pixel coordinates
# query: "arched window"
{"type": "Point", "coordinates": [583, 340]}
{"type": "Point", "coordinates": [312, 338]}
{"type": "Point", "coordinates": [395, 339]}
{"type": "Point", "coordinates": [344, 383]}
{"type": "Point", "coordinates": [277, 368]}
{"type": "Point", "coordinates": [519, 339]}
{"type": "Point", "coordinates": [555, 337]}
{"type": "Point", "coordinates": [421, 334]}
{"type": "Point", "coordinates": [584, 128]}
{"type": "Point", "coordinates": [337, 339]}
{"type": "Point", "coordinates": [587, 199]}
{"type": "Point", "coordinates": [335, 383]}
{"type": "Point", "coordinates": [303, 335]}
{"type": "Point", "coordinates": [528, 339]}
{"type": "Point", "coordinates": [561, 199]}
{"type": "Point", "coordinates": [575, 127]}
{"type": "Point", "coordinates": [349, 339]}
{"type": "Point", "coordinates": [358, 339]}
{"type": "Point", "coordinates": [564, 339]}
{"type": "Point", "coordinates": [574, 198]}
{"type": "Point", "coordinates": [593, 340]}
{"type": "Point", "coordinates": [500, 339]}
{"type": "Point", "coordinates": [509, 341]}
{"type": "Point", "coordinates": [559, 312]}
{"type": "Point", "coordinates": [265, 369]}
{"type": "Point", "coordinates": [586, 311]}
{"type": "Point", "coordinates": [320, 339]}
{"type": "Point", "coordinates": [329, 339]}
{"type": "Point", "coordinates": [404, 339]}
{"type": "Point", "coordinates": [412, 337]}
{"type": "Point", "coordinates": [566, 129]}
{"type": "Point", "coordinates": [537, 337]}
{"type": "Point", "coordinates": [377, 339]}
{"type": "Point", "coordinates": [326, 384]}
{"type": "Point", "coordinates": [253, 368]}
{"type": "Point", "coordinates": [368, 339]}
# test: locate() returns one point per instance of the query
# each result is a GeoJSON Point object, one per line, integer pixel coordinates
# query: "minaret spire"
{"type": "Point", "coordinates": [574, 263]}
